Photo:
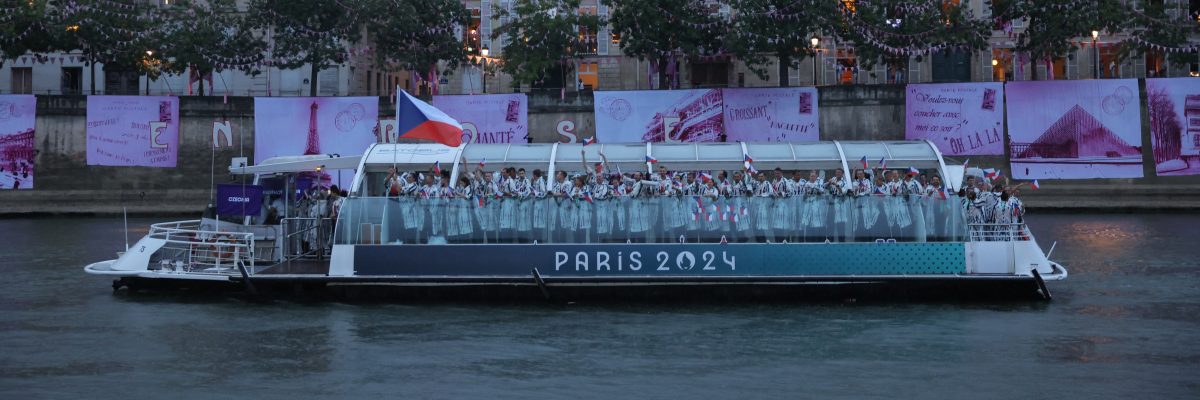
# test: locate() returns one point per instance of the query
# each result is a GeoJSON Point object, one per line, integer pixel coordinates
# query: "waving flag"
{"type": "Point", "coordinates": [1035, 185]}
{"type": "Point", "coordinates": [589, 140]}
{"type": "Point", "coordinates": [699, 202]}
{"type": "Point", "coordinates": [992, 173]}
{"type": "Point", "coordinates": [419, 120]}
{"type": "Point", "coordinates": [588, 197]}
{"type": "Point", "coordinates": [864, 163]}
{"type": "Point", "coordinates": [944, 193]}
{"type": "Point", "coordinates": [882, 163]}
{"type": "Point", "coordinates": [651, 159]}
{"type": "Point", "coordinates": [479, 199]}
{"type": "Point", "coordinates": [751, 169]}
{"type": "Point", "coordinates": [748, 159]}
{"type": "Point", "coordinates": [437, 167]}
{"type": "Point", "coordinates": [705, 177]}
{"type": "Point", "coordinates": [913, 171]}
{"type": "Point", "coordinates": [482, 162]}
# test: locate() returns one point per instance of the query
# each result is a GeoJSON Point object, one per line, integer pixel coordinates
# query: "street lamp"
{"type": "Point", "coordinates": [816, 44]}
{"type": "Point", "coordinates": [149, 53]}
{"type": "Point", "coordinates": [1095, 36]}
{"type": "Point", "coordinates": [485, 51]}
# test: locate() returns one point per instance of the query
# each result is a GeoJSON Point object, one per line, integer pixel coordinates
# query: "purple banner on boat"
{"type": "Point", "coordinates": [960, 118]}
{"type": "Point", "coordinates": [659, 115]}
{"type": "Point", "coordinates": [132, 131]}
{"type": "Point", "coordinates": [771, 115]}
{"type": "Point", "coordinates": [1174, 108]}
{"type": "Point", "coordinates": [235, 199]}
{"type": "Point", "coordinates": [1075, 129]}
{"type": "Point", "coordinates": [17, 122]}
{"type": "Point", "coordinates": [489, 118]}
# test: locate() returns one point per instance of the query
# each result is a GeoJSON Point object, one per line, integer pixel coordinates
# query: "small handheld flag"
{"type": "Point", "coordinates": [882, 162]}
{"type": "Point", "coordinates": [864, 163]}
{"type": "Point", "coordinates": [482, 162]}
{"type": "Point", "coordinates": [705, 177]}
{"type": "Point", "coordinates": [944, 193]}
{"type": "Point", "coordinates": [913, 171]}
{"type": "Point", "coordinates": [651, 159]}
{"type": "Point", "coordinates": [437, 167]}
{"type": "Point", "coordinates": [748, 159]}
{"type": "Point", "coordinates": [588, 196]}
{"type": "Point", "coordinates": [1035, 185]}
{"type": "Point", "coordinates": [589, 140]}
{"type": "Point", "coordinates": [751, 169]}
{"type": "Point", "coordinates": [419, 120]}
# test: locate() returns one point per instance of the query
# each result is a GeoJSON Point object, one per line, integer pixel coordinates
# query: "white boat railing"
{"type": "Point", "coordinates": [998, 232]}
{"type": "Point", "coordinates": [191, 248]}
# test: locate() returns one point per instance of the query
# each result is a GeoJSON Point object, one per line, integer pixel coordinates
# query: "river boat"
{"type": "Point", "coordinates": [420, 246]}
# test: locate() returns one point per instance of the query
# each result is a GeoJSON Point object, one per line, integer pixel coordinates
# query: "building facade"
{"type": "Point", "coordinates": [606, 68]}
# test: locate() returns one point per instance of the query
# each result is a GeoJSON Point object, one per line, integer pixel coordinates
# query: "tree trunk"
{"type": "Point", "coordinates": [784, 60]}
{"type": "Point", "coordinates": [312, 79]}
{"type": "Point", "coordinates": [1033, 64]}
{"type": "Point", "coordinates": [201, 75]}
{"type": "Point", "coordinates": [92, 73]}
{"type": "Point", "coordinates": [663, 83]}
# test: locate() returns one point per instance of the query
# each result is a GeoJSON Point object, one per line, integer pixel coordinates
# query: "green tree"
{"type": "Point", "coordinates": [783, 28]}
{"type": "Point", "coordinates": [664, 30]}
{"type": "Point", "coordinates": [893, 31]}
{"type": "Point", "coordinates": [116, 33]}
{"type": "Point", "coordinates": [24, 28]}
{"type": "Point", "coordinates": [1155, 29]}
{"type": "Point", "coordinates": [202, 37]}
{"type": "Point", "coordinates": [416, 35]}
{"type": "Point", "coordinates": [1054, 27]}
{"type": "Point", "coordinates": [543, 36]}
{"type": "Point", "coordinates": [308, 32]}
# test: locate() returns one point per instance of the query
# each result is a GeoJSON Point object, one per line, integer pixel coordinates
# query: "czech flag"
{"type": "Point", "coordinates": [589, 140]}
{"type": "Point", "coordinates": [699, 203]}
{"type": "Point", "coordinates": [993, 173]}
{"type": "Point", "coordinates": [882, 163]}
{"type": "Point", "coordinates": [479, 200]}
{"type": "Point", "coordinates": [751, 169]}
{"type": "Point", "coordinates": [419, 120]}
{"type": "Point", "coordinates": [944, 193]}
{"type": "Point", "coordinates": [864, 163]}
{"type": "Point", "coordinates": [437, 167]}
{"type": "Point", "coordinates": [651, 159]}
{"type": "Point", "coordinates": [748, 159]}
{"type": "Point", "coordinates": [705, 177]}
{"type": "Point", "coordinates": [1035, 185]}
{"type": "Point", "coordinates": [588, 196]}
{"type": "Point", "coordinates": [913, 171]}
{"type": "Point", "coordinates": [482, 163]}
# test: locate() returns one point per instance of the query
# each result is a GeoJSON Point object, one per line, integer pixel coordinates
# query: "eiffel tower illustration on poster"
{"type": "Point", "coordinates": [313, 147]}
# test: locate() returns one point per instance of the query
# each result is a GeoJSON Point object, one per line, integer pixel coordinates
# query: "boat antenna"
{"type": "Point", "coordinates": [125, 214]}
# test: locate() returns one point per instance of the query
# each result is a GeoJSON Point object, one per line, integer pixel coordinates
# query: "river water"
{"type": "Point", "coordinates": [1126, 324]}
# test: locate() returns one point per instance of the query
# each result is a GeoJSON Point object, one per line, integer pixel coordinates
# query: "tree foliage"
{"type": "Point", "coordinates": [665, 30]}
{"type": "Point", "coordinates": [202, 37]}
{"type": "Point", "coordinates": [892, 31]}
{"type": "Point", "coordinates": [416, 35]}
{"type": "Point", "coordinates": [543, 36]}
{"type": "Point", "coordinates": [782, 28]}
{"type": "Point", "coordinates": [308, 32]}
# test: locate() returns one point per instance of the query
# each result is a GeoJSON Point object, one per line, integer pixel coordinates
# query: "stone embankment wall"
{"type": "Point", "coordinates": [65, 184]}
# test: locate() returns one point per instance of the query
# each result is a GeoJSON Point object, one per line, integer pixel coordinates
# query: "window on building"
{"type": "Point", "coordinates": [897, 69]}
{"type": "Point", "coordinates": [1156, 64]}
{"type": "Point", "coordinates": [587, 37]}
{"type": "Point", "coordinates": [22, 80]}
{"type": "Point", "coordinates": [1002, 65]}
{"type": "Point", "coordinates": [471, 36]}
{"type": "Point", "coordinates": [589, 75]}
{"type": "Point", "coordinates": [369, 73]}
{"type": "Point", "coordinates": [846, 63]}
{"type": "Point", "coordinates": [72, 80]}
{"type": "Point", "coordinates": [951, 66]}
{"type": "Point", "coordinates": [616, 40]}
{"type": "Point", "coordinates": [120, 82]}
{"type": "Point", "coordinates": [1110, 64]}
{"type": "Point", "coordinates": [710, 74]}
{"type": "Point", "coordinates": [1060, 68]}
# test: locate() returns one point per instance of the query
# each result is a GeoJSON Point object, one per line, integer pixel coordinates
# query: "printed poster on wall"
{"type": "Point", "coordinates": [17, 124]}
{"type": "Point", "coordinates": [659, 115]}
{"type": "Point", "coordinates": [1174, 108]}
{"type": "Point", "coordinates": [297, 126]}
{"type": "Point", "coordinates": [489, 118]}
{"type": "Point", "coordinates": [960, 118]}
{"type": "Point", "coordinates": [127, 131]}
{"type": "Point", "coordinates": [1075, 129]}
{"type": "Point", "coordinates": [771, 115]}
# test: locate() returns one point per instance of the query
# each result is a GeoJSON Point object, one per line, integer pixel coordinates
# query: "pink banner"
{"type": "Point", "coordinates": [132, 131]}
{"type": "Point", "coordinates": [17, 122]}
{"type": "Point", "coordinates": [960, 118]}
{"type": "Point", "coordinates": [771, 115]}
{"type": "Point", "coordinates": [295, 126]}
{"type": "Point", "coordinates": [659, 115]}
{"type": "Point", "coordinates": [1075, 129]}
{"type": "Point", "coordinates": [489, 118]}
{"type": "Point", "coordinates": [1174, 108]}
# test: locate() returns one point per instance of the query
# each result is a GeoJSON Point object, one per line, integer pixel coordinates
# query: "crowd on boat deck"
{"type": "Point", "coordinates": [598, 204]}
